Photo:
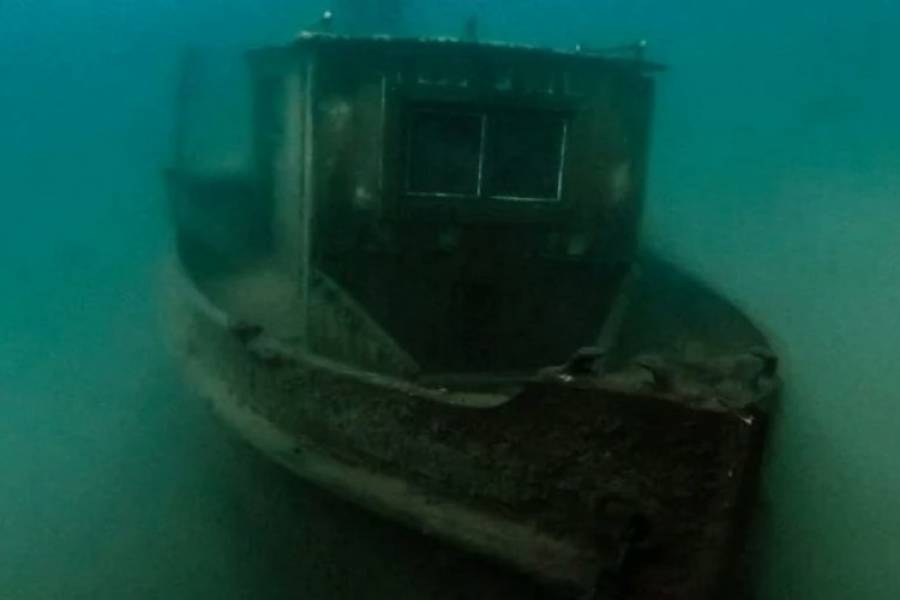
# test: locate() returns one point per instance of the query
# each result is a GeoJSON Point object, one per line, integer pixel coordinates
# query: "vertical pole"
{"type": "Point", "coordinates": [309, 195]}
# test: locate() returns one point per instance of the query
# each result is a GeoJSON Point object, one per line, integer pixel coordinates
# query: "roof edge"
{"type": "Point", "coordinates": [630, 56]}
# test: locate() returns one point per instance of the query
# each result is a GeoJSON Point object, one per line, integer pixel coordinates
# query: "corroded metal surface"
{"type": "Point", "coordinates": [642, 490]}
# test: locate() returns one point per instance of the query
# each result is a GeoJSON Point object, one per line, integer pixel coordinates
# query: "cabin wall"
{"type": "Point", "coordinates": [348, 140]}
{"type": "Point", "coordinates": [466, 285]}
{"type": "Point", "coordinates": [608, 162]}
{"type": "Point", "coordinates": [280, 98]}
{"type": "Point", "coordinates": [349, 147]}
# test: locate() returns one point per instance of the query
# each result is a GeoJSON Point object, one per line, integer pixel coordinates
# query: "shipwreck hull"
{"type": "Point", "coordinates": [585, 483]}
{"type": "Point", "coordinates": [423, 228]}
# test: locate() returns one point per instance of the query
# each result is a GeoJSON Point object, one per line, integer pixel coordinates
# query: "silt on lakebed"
{"type": "Point", "coordinates": [426, 294]}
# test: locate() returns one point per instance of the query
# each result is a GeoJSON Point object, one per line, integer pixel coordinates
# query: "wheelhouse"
{"type": "Point", "coordinates": [418, 294]}
{"type": "Point", "coordinates": [470, 207]}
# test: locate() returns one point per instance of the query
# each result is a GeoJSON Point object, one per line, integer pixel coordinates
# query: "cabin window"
{"type": "Point", "coordinates": [445, 153]}
{"type": "Point", "coordinates": [511, 155]}
{"type": "Point", "coordinates": [525, 156]}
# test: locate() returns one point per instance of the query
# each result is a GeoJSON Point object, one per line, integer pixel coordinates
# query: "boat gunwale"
{"type": "Point", "coordinates": [552, 558]}
{"type": "Point", "coordinates": [267, 346]}
{"type": "Point", "coordinates": [563, 565]}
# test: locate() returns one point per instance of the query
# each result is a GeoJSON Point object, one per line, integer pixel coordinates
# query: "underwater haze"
{"type": "Point", "coordinates": [775, 177]}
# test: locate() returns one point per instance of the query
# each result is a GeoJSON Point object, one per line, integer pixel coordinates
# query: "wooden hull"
{"type": "Point", "coordinates": [587, 485]}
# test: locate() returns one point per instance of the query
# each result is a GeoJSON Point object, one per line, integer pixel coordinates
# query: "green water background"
{"type": "Point", "coordinates": [775, 176]}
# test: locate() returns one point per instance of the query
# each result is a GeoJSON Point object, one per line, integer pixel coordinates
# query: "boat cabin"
{"type": "Point", "coordinates": [404, 297]}
{"type": "Point", "coordinates": [450, 206]}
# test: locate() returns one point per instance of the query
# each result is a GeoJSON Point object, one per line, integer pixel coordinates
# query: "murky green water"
{"type": "Point", "coordinates": [774, 176]}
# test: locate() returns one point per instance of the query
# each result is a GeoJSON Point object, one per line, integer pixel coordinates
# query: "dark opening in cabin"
{"type": "Point", "coordinates": [507, 155]}
{"type": "Point", "coordinates": [445, 153]}
{"type": "Point", "coordinates": [525, 156]}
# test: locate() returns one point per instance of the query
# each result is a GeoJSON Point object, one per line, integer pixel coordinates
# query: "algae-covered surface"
{"type": "Point", "coordinates": [576, 462]}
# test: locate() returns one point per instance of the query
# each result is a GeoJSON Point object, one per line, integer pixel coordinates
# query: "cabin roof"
{"type": "Point", "coordinates": [623, 56]}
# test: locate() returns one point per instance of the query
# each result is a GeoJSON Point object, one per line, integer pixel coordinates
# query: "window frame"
{"type": "Point", "coordinates": [487, 116]}
{"type": "Point", "coordinates": [486, 194]}
{"type": "Point", "coordinates": [408, 151]}
{"type": "Point", "coordinates": [401, 103]}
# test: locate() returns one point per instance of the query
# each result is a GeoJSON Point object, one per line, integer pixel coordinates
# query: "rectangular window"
{"type": "Point", "coordinates": [445, 153]}
{"type": "Point", "coordinates": [509, 155]}
{"type": "Point", "coordinates": [525, 156]}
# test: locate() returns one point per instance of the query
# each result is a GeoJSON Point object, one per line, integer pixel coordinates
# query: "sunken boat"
{"type": "Point", "coordinates": [426, 294]}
